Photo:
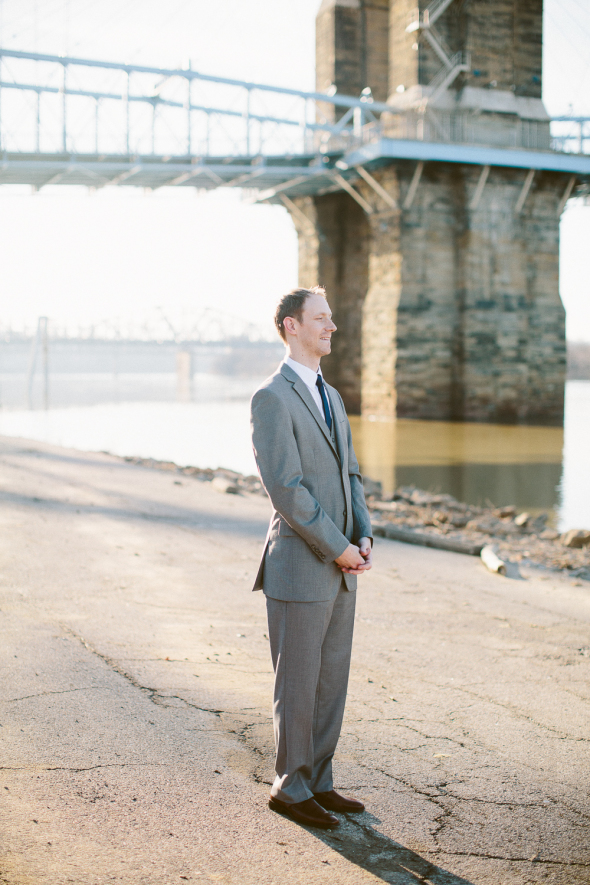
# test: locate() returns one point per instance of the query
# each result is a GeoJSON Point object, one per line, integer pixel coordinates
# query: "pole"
{"type": "Point", "coordinates": [43, 321]}
{"type": "Point", "coordinates": [64, 110]}
{"type": "Point", "coordinates": [127, 114]}
{"type": "Point", "coordinates": [248, 123]}
{"type": "Point", "coordinates": [189, 84]}
{"type": "Point", "coordinates": [357, 122]}
{"type": "Point", "coordinates": [38, 123]}
{"type": "Point", "coordinates": [31, 369]}
{"type": "Point", "coordinates": [184, 374]}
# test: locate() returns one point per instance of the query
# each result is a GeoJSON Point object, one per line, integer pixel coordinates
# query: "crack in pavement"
{"type": "Point", "coordinates": [85, 768]}
{"type": "Point", "coordinates": [43, 694]}
{"type": "Point", "coordinates": [370, 849]}
{"type": "Point", "coordinates": [497, 802]}
{"type": "Point", "coordinates": [444, 793]}
{"type": "Point", "coordinates": [152, 694]}
{"type": "Point", "coordinates": [242, 733]}
{"type": "Point", "coordinates": [534, 859]}
{"type": "Point", "coordinates": [520, 715]}
{"type": "Point", "coordinates": [447, 814]}
{"type": "Point", "coordinates": [431, 737]}
{"type": "Point", "coordinates": [440, 820]}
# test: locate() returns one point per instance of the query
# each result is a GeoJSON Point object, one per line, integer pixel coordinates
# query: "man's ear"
{"type": "Point", "coordinates": [289, 325]}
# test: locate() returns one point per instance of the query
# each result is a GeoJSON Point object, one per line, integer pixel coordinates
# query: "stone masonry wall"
{"type": "Point", "coordinates": [403, 58]}
{"type": "Point", "coordinates": [505, 39]}
{"type": "Point", "coordinates": [375, 31]}
{"type": "Point", "coordinates": [528, 48]}
{"type": "Point", "coordinates": [443, 312]}
{"type": "Point", "coordinates": [352, 49]}
{"type": "Point", "coordinates": [337, 259]}
{"type": "Point", "coordinates": [380, 308]}
{"type": "Point", "coordinates": [428, 321]}
{"type": "Point", "coordinates": [309, 241]}
{"type": "Point", "coordinates": [513, 356]}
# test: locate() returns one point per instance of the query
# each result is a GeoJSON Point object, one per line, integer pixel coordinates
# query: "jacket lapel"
{"type": "Point", "coordinates": [301, 388]}
{"type": "Point", "coordinates": [337, 426]}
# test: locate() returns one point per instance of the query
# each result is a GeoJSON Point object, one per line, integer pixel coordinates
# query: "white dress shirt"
{"type": "Point", "coordinates": [309, 377]}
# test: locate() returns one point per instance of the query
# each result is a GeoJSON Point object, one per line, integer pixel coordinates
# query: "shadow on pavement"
{"type": "Point", "coordinates": [360, 843]}
{"type": "Point", "coordinates": [513, 571]}
{"type": "Point", "coordinates": [189, 517]}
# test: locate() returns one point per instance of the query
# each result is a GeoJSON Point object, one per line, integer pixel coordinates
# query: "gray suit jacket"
{"type": "Point", "coordinates": [315, 488]}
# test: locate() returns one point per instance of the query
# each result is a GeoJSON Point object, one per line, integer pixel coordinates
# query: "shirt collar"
{"type": "Point", "coordinates": [308, 376]}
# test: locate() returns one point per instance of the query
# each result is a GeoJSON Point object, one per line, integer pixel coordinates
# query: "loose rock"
{"type": "Point", "coordinates": [224, 486]}
{"type": "Point", "coordinates": [418, 517]}
{"type": "Point", "coordinates": [502, 512]}
{"type": "Point", "coordinates": [549, 535]}
{"type": "Point", "coordinates": [576, 538]}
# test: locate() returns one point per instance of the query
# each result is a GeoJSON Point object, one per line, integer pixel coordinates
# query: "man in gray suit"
{"type": "Point", "coordinates": [318, 541]}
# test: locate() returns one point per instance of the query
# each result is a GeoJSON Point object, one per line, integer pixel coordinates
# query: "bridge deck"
{"type": "Point", "coordinates": [296, 175]}
{"type": "Point", "coordinates": [98, 170]}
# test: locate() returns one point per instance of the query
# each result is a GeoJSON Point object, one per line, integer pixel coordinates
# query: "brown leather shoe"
{"type": "Point", "coordinates": [333, 801]}
{"type": "Point", "coordinates": [308, 813]}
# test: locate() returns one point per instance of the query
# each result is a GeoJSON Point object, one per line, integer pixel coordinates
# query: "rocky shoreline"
{"type": "Point", "coordinates": [438, 520]}
{"type": "Point", "coordinates": [515, 537]}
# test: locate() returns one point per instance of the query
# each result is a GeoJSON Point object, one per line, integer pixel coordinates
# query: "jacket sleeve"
{"type": "Point", "coordinates": [361, 527]}
{"type": "Point", "coordinates": [279, 465]}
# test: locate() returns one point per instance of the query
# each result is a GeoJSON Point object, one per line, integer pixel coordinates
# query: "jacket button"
{"type": "Point", "coordinates": [344, 513]}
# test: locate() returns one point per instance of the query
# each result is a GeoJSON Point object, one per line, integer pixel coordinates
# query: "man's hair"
{"type": "Point", "coordinates": [292, 304]}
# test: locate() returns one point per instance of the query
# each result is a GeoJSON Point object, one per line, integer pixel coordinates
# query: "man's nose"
{"type": "Point", "coordinates": [332, 327]}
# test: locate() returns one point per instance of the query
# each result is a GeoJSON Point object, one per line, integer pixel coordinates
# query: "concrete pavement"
{"type": "Point", "coordinates": [136, 682]}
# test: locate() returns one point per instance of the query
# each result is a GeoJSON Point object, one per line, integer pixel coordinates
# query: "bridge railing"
{"type": "Point", "coordinates": [50, 104]}
{"type": "Point", "coordinates": [58, 104]}
{"type": "Point", "coordinates": [461, 128]}
{"type": "Point", "coordinates": [54, 105]}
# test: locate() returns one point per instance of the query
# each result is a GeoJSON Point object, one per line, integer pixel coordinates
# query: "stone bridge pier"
{"type": "Point", "coordinates": [445, 288]}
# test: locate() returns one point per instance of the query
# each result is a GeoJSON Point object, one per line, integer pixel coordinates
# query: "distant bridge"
{"type": "Point", "coordinates": [73, 121]}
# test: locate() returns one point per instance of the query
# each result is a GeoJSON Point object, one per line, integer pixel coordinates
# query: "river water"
{"type": "Point", "coordinates": [535, 468]}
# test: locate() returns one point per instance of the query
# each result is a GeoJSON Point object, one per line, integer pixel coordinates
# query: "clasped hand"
{"type": "Point", "coordinates": [356, 560]}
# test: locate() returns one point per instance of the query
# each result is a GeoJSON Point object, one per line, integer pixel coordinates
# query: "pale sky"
{"type": "Point", "coordinates": [119, 254]}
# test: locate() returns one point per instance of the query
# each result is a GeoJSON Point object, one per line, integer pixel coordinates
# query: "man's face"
{"type": "Point", "coordinates": [314, 332]}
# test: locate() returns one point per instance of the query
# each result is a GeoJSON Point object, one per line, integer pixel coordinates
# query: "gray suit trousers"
{"type": "Point", "coordinates": [310, 644]}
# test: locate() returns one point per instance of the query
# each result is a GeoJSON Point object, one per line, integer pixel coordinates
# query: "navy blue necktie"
{"type": "Point", "coordinates": [324, 396]}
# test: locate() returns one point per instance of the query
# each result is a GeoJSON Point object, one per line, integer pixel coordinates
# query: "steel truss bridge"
{"type": "Point", "coordinates": [73, 121]}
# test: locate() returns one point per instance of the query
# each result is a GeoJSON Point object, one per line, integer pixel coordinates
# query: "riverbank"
{"type": "Point", "coordinates": [538, 469]}
{"type": "Point", "coordinates": [425, 517]}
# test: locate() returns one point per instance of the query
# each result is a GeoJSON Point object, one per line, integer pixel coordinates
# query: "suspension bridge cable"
{"type": "Point", "coordinates": [19, 16]}
{"type": "Point", "coordinates": [579, 94]}
{"type": "Point", "coordinates": [566, 37]}
{"type": "Point", "coordinates": [564, 8]}
{"type": "Point", "coordinates": [161, 28]}
{"type": "Point", "coordinates": [582, 8]}
{"type": "Point", "coordinates": [115, 20]}
{"type": "Point", "coordinates": [90, 6]}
